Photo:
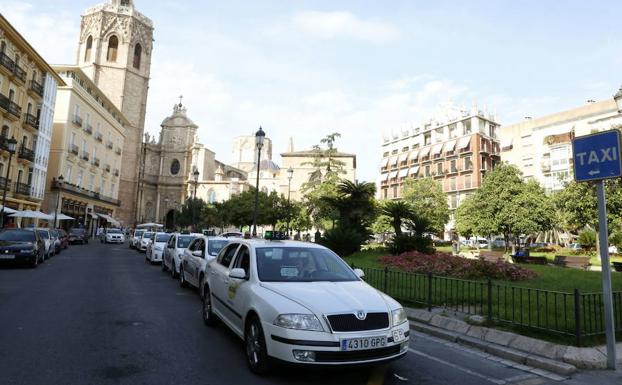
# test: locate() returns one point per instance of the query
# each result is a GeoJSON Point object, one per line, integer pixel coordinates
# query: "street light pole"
{"type": "Point", "coordinates": [259, 137]}
{"type": "Point", "coordinates": [174, 209]}
{"type": "Point", "coordinates": [12, 144]}
{"type": "Point", "coordinates": [290, 174]}
{"type": "Point", "coordinates": [166, 214]}
{"type": "Point", "coordinates": [59, 184]}
{"type": "Point", "coordinates": [194, 199]}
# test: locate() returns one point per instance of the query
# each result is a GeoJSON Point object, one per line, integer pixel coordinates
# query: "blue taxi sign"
{"type": "Point", "coordinates": [597, 156]}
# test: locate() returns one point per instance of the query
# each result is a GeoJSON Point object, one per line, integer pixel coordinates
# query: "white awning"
{"type": "Point", "coordinates": [384, 162]}
{"type": "Point", "coordinates": [464, 142]}
{"type": "Point", "coordinates": [393, 161]}
{"type": "Point", "coordinates": [437, 149]}
{"type": "Point", "coordinates": [8, 210]}
{"type": "Point", "coordinates": [402, 157]}
{"type": "Point", "coordinates": [393, 175]}
{"type": "Point", "coordinates": [413, 154]}
{"type": "Point", "coordinates": [403, 172]}
{"type": "Point", "coordinates": [449, 146]}
{"type": "Point", "coordinates": [424, 152]}
{"type": "Point", "coordinates": [413, 171]}
{"type": "Point", "coordinates": [109, 219]}
{"type": "Point", "coordinates": [506, 143]}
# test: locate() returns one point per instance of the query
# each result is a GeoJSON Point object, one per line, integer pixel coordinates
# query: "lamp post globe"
{"type": "Point", "coordinates": [12, 144]}
{"type": "Point", "coordinates": [259, 138]}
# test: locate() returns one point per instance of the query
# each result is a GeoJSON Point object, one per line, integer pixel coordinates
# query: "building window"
{"type": "Point", "coordinates": [395, 192]}
{"type": "Point", "coordinates": [394, 152]}
{"type": "Point", "coordinates": [5, 131]}
{"type": "Point", "coordinates": [427, 170]}
{"type": "Point", "coordinates": [467, 181]}
{"type": "Point", "coordinates": [439, 168]}
{"type": "Point", "coordinates": [484, 163]}
{"type": "Point", "coordinates": [467, 126]}
{"type": "Point", "coordinates": [91, 182]}
{"type": "Point", "coordinates": [79, 181]}
{"type": "Point", "coordinates": [68, 174]}
{"type": "Point", "coordinates": [113, 45]}
{"type": "Point", "coordinates": [427, 139]}
{"type": "Point", "coordinates": [453, 201]}
{"type": "Point", "coordinates": [385, 193]}
{"type": "Point", "coordinates": [137, 53]}
{"type": "Point", "coordinates": [452, 184]}
{"type": "Point", "coordinates": [468, 164]}
{"type": "Point", "coordinates": [453, 166]}
{"type": "Point", "coordinates": [385, 154]}
{"type": "Point", "coordinates": [89, 47]}
{"type": "Point", "coordinates": [175, 166]}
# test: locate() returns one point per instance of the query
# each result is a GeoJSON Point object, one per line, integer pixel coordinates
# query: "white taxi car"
{"type": "Point", "coordinates": [113, 236]}
{"type": "Point", "coordinates": [175, 251]}
{"type": "Point", "coordinates": [145, 240]}
{"type": "Point", "coordinates": [135, 239]}
{"type": "Point", "coordinates": [195, 258]}
{"type": "Point", "coordinates": [301, 303]}
{"type": "Point", "coordinates": [155, 250]}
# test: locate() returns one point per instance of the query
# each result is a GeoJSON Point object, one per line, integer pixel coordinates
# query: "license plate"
{"type": "Point", "coordinates": [398, 335]}
{"type": "Point", "coordinates": [364, 343]}
{"type": "Point", "coordinates": [7, 256]}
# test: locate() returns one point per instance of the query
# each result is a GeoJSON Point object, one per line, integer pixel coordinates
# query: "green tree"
{"type": "Point", "coordinates": [397, 212]}
{"type": "Point", "coordinates": [429, 202]}
{"type": "Point", "coordinates": [326, 165]}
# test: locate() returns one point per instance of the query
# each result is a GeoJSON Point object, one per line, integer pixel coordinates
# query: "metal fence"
{"type": "Point", "coordinates": [566, 314]}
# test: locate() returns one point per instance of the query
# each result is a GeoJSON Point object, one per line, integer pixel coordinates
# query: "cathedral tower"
{"type": "Point", "coordinates": [115, 49]}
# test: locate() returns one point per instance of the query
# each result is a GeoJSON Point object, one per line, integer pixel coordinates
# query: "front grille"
{"type": "Point", "coordinates": [349, 322]}
{"type": "Point", "coordinates": [356, 355]}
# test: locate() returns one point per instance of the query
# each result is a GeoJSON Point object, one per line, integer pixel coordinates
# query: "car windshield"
{"type": "Point", "coordinates": [215, 245]}
{"type": "Point", "coordinates": [301, 264]}
{"type": "Point", "coordinates": [113, 231]}
{"type": "Point", "coordinates": [138, 233]}
{"type": "Point", "coordinates": [148, 235]}
{"type": "Point", "coordinates": [184, 240]}
{"type": "Point", "coordinates": [17, 236]}
{"type": "Point", "coordinates": [43, 234]}
{"type": "Point", "coordinates": [163, 237]}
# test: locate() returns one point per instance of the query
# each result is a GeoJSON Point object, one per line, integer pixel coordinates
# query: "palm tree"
{"type": "Point", "coordinates": [397, 211]}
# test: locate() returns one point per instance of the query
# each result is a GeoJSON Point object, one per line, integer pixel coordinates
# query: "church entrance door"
{"type": "Point", "coordinates": [170, 220]}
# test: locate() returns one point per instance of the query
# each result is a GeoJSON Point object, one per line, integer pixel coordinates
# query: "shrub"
{"type": "Point", "coordinates": [404, 242]}
{"type": "Point", "coordinates": [445, 264]}
{"type": "Point", "coordinates": [343, 241]}
{"type": "Point", "coordinates": [587, 238]}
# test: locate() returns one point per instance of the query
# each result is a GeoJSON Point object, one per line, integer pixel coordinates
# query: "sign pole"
{"type": "Point", "coordinates": [603, 243]}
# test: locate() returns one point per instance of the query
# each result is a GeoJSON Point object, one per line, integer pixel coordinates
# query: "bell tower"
{"type": "Point", "coordinates": [115, 49]}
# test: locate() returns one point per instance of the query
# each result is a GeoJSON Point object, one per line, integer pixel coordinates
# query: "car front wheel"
{"type": "Point", "coordinates": [256, 352]}
{"type": "Point", "coordinates": [208, 317]}
{"type": "Point", "coordinates": [182, 278]}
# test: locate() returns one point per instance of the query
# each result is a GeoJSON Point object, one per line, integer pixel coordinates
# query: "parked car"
{"type": "Point", "coordinates": [175, 250]}
{"type": "Point", "coordinates": [575, 246]}
{"type": "Point", "coordinates": [135, 239]}
{"type": "Point", "coordinates": [64, 238]}
{"type": "Point", "coordinates": [20, 245]}
{"type": "Point", "coordinates": [56, 241]}
{"type": "Point", "coordinates": [112, 236]}
{"type": "Point", "coordinates": [196, 256]}
{"type": "Point", "coordinates": [301, 303]}
{"type": "Point", "coordinates": [232, 234]}
{"type": "Point", "coordinates": [48, 242]}
{"type": "Point", "coordinates": [155, 250]}
{"type": "Point", "coordinates": [145, 240]}
{"type": "Point", "coordinates": [78, 236]}
{"type": "Point", "coordinates": [498, 243]}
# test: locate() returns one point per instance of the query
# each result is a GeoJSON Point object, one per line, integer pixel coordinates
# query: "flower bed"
{"type": "Point", "coordinates": [445, 264]}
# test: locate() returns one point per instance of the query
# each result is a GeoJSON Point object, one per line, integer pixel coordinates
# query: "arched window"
{"type": "Point", "coordinates": [2, 47]}
{"type": "Point", "coordinates": [5, 131]}
{"type": "Point", "coordinates": [89, 47]}
{"type": "Point", "coordinates": [138, 50]}
{"type": "Point", "coordinates": [29, 109]}
{"type": "Point", "coordinates": [24, 141]}
{"type": "Point", "coordinates": [11, 95]}
{"type": "Point", "coordinates": [113, 45]}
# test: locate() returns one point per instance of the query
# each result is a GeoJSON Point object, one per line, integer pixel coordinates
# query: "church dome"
{"type": "Point", "coordinates": [179, 118]}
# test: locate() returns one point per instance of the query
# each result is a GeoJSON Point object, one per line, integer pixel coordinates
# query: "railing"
{"type": "Point", "coordinates": [14, 109]}
{"type": "Point", "coordinates": [4, 183]}
{"type": "Point", "coordinates": [109, 144]}
{"type": "Point", "coordinates": [31, 120]}
{"type": "Point", "coordinates": [116, 172]}
{"type": "Point", "coordinates": [4, 102]}
{"type": "Point", "coordinates": [98, 136]}
{"type": "Point", "coordinates": [77, 120]}
{"type": "Point", "coordinates": [26, 153]}
{"type": "Point", "coordinates": [4, 143]}
{"type": "Point", "coordinates": [118, 151]}
{"type": "Point", "coordinates": [74, 149]}
{"type": "Point", "coordinates": [107, 168]}
{"type": "Point", "coordinates": [88, 128]}
{"type": "Point", "coordinates": [6, 61]}
{"type": "Point", "coordinates": [19, 73]}
{"type": "Point", "coordinates": [95, 162]}
{"type": "Point", "coordinates": [85, 155]}
{"type": "Point", "coordinates": [36, 87]}
{"type": "Point", "coordinates": [573, 314]}
{"type": "Point", "coordinates": [22, 188]}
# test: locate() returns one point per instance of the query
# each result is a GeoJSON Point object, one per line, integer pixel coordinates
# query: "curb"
{"type": "Point", "coordinates": [559, 359]}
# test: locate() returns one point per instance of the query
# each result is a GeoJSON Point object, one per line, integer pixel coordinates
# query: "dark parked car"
{"type": "Point", "coordinates": [64, 238]}
{"type": "Point", "coordinates": [17, 245]}
{"type": "Point", "coordinates": [78, 236]}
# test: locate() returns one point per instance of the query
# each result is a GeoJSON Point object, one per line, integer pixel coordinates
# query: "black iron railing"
{"type": "Point", "coordinates": [4, 183]}
{"type": "Point", "coordinates": [88, 128]}
{"type": "Point", "coordinates": [31, 120]}
{"type": "Point", "coordinates": [19, 73]}
{"type": "Point", "coordinates": [573, 314]}
{"type": "Point", "coordinates": [26, 153]}
{"type": "Point", "coordinates": [74, 149]}
{"type": "Point", "coordinates": [14, 109]}
{"type": "Point", "coordinates": [6, 61]}
{"type": "Point", "coordinates": [77, 120]}
{"type": "Point", "coordinates": [36, 87]}
{"type": "Point", "coordinates": [22, 188]}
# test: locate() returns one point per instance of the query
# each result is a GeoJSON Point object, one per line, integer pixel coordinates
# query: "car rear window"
{"type": "Point", "coordinates": [17, 235]}
{"type": "Point", "coordinates": [138, 233]}
{"type": "Point", "coordinates": [163, 237]}
{"type": "Point", "coordinates": [184, 240]}
{"type": "Point", "coordinates": [215, 245]}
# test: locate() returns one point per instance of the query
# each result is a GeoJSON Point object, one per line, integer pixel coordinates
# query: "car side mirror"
{"type": "Point", "coordinates": [237, 273]}
{"type": "Point", "coordinates": [359, 273]}
{"type": "Point", "coordinates": [197, 253]}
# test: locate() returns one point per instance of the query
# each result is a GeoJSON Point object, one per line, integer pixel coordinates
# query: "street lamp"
{"type": "Point", "coordinates": [12, 144]}
{"type": "Point", "coordinates": [194, 198]}
{"type": "Point", "coordinates": [259, 137]}
{"type": "Point", "coordinates": [618, 98]}
{"type": "Point", "coordinates": [166, 214]}
{"type": "Point", "coordinates": [290, 174]}
{"type": "Point", "coordinates": [174, 209]}
{"type": "Point", "coordinates": [59, 184]}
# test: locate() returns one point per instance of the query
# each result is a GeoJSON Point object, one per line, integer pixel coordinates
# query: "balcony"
{"type": "Point", "coordinates": [64, 186]}
{"type": "Point", "coordinates": [88, 129]}
{"type": "Point", "coordinates": [95, 162]}
{"type": "Point", "coordinates": [35, 88]}
{"type": "Point", "coordinates": [99, 137]}
{"type": "Point", "coordinates": [118, 151]}
{"type": "Point", "coordinates": [4, 183]}
{"type": "Point", "coordinates": [77, 120]}
{"type": "Point", "coordinates": [6, 64]}
{"type": "Point", "coordinates": [109, 144]}
{"type": "Point", "coordinates": [22, 188]}
{"type": "Point", "coordinates": [12, 110]}
{"type": "Point", "coordinates": [31, 121]}
{"type": "Point", "coordinates": [73, 149]}
{"type": "Point", "coordinates": [20, 75]}
{"type": "Point", "coordinates": [116, 172]}
{"type": "Point", "coordinates": [85, 156]}
{"type": "Point", "coordinates": [26, 154]}
{"type": "Point", "coordinates": [107, 168]}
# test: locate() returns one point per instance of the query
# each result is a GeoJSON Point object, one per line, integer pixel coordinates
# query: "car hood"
{"type": "Point", "coordinates": [331, 297]}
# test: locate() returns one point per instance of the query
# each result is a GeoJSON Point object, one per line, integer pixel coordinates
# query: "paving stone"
{"type": "Point", "coordinates": [551, 365]}
{"type": "Point", "coordinates": [499, 337]}
{"type": "Point", "coordinates": [539, 347]}
{"type": "Point", "coordinates": [585, 358]}
{"type": "Point", "coordinates": [419, 315]}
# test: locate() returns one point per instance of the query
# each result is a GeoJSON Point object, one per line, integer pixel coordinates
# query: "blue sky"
{"type": "Point", "coordinates": [362, 68]}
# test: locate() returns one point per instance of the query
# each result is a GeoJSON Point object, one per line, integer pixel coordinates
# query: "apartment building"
{"type": "Point", "coordinates": [456, 152]}
{"type": "Point", "coordinates": [86, 150]}
{"type": "Point", "coordinates": [541, 147]}
{"type": "Point", "coordinates": [27, 89]}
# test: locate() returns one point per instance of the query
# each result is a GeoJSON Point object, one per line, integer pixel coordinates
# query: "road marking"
{"type": "Point", "coordinates": [377, 375]}
{"type": "Point", "coordinates": [458, 367]}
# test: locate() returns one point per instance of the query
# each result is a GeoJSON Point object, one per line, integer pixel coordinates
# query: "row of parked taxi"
{"type": "Point", "coordinates": [289, 301]}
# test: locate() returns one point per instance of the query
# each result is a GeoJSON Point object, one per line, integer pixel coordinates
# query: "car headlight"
{"type": "Point", "coordinates": [398, 316]}
{"type": "Point", "coordinates": [299, 321]}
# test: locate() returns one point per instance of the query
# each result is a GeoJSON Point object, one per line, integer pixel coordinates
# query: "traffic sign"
{"type": "Point", "coordinates": [597, 156]}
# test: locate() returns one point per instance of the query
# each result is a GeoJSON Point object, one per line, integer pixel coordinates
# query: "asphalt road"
{"type": "Point", "coordinates": [98, 314]}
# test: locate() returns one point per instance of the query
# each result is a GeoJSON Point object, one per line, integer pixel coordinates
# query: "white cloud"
{"type": "Point", "coordinates": [342, 24]}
